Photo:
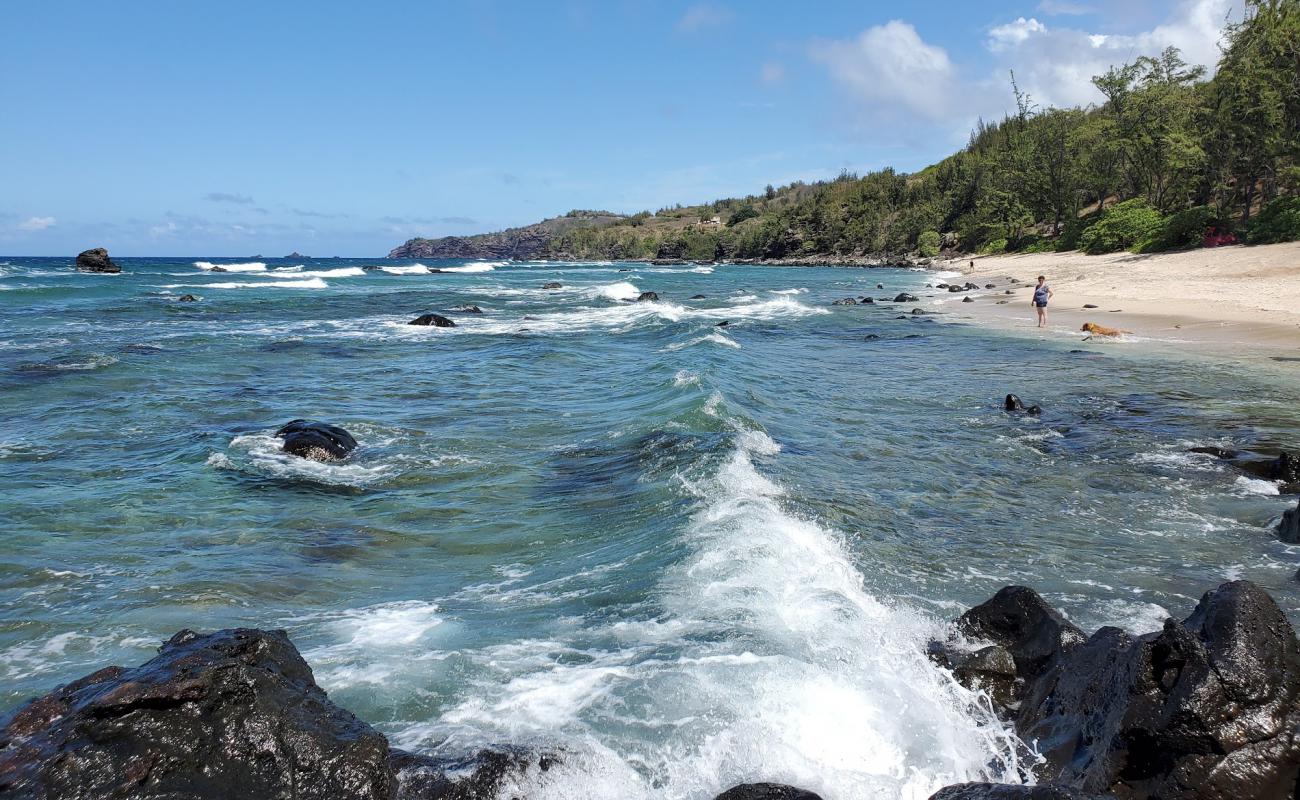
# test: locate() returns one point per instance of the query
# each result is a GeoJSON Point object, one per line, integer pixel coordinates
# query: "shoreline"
{"type": "Point", "coordinates": [1222, 299]}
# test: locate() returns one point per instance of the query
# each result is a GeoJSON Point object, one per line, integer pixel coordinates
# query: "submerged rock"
{"type": "Point", "coordinates": [229, 714]}
{"type": "Point", "coordinates": [96, 260]}
{"type": "Point", "coordinates": [1285, 469]}
{"type": "Point", "coordinates": [847, 301]}
{"type": "Point", "coordinates": [648, 297]}
{"type": "Point", "coordinates": [766, 791]}
{"type": "Point", "coordinates": [317, 441]}
{"type": "Point", "coordinates": [553, 285]}
{"type": "Point", "coordinates": [187, 298]}
{"type": "Point", "coordinates": [467, 309]}
{"type": "Point", "coordinates": [699, 297]}
{"type": "Point", "coordinates": [1013, 403]}
{"type": "Point", "coordinates": [1205, 708]}
{"type": "Point", "coordinates": [436, 320]}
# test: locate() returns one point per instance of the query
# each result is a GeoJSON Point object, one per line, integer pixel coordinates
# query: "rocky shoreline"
{"type": "Point", "coordinates": [1205, 709]}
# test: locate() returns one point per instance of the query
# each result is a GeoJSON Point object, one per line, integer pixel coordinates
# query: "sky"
{"type": "Point", "coordinates": [344, 128]}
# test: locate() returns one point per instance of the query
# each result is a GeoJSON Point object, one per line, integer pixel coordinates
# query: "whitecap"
{"type": "Point", "coordinates": [477, 266]}
{"type": "Point", "coordinates": [621, 290]}
{"type": "Point", "coordinates": [1246, 485]}
{"type": "Point", "coordinates": [252, 266]}
{"type": "Point", "coordinates": [298, 272]}
{"type": "Point", "coordinates": [412, 269]}
{"type": "Point", "coordinates": [307, 283]}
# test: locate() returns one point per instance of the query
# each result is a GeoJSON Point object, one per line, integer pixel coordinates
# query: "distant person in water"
{"type": "Point", "coordinates": [1042, 293]}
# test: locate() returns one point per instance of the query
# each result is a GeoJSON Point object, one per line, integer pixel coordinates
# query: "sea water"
{"type": "Point", "coordinates": [685, 555]}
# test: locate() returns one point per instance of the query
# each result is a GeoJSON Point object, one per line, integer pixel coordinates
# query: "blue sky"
{"type": "Point", "coordinates": [344, 128]}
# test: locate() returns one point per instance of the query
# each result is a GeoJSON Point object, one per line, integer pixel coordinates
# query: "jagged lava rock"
{"type": "Point", "coordinates": [96, 260]}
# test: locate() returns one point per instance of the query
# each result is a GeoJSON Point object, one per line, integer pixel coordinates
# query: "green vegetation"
{"type": "Point", "coordinates": [1168, 160]}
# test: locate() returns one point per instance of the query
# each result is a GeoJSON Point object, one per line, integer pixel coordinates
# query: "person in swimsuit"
{"type": "Point", "coordinates": [1042, 293]}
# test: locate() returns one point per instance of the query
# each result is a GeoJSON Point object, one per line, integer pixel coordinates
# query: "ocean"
{"type": "Point", "coordinates": [687, 555]}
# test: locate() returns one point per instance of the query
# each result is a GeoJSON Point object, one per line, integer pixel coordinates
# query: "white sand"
{"type": "Point", "coordinates": [1224, 296]}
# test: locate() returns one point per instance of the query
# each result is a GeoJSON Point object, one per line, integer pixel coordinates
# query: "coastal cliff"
{"type": "Point", "coordinates": [530, 241]}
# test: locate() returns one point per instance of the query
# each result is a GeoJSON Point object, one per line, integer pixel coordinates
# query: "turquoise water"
{"type": "Point", "coordinates": [690, 555]}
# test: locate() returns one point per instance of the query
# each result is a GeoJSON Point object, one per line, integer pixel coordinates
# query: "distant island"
{"type": "Point", "coordinates": [1169, 161]}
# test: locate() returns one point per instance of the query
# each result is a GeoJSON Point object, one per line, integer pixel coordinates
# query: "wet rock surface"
{"type": "Point", "coordinates": [1205, 708]}
{"type": "Point", "coordinates": [766, 791]}
{"type": "Point", "coordinates": [1288, 530]}
{"type": "Point", "coordinates": [434, 320]}
{"type": "Point", "coordinates": [231, 714]}
{"type": "Point", "coordinates": [317, 441]}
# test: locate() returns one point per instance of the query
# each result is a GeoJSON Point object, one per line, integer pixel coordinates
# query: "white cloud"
{"type": "Point", "coordinates": [895, 75]}
{"type": "Point", "coordinates": [36, 223]}
{"type": "Point", "coordinates": [1055, 65]}
{"type": "Point", "coordinates": [699, 17]}
{"type": "Point", "coordinates": [1014, 33]}
{"type": "Point", "coordinates": [890, 68]}
{"type": "Point", "coordinates": [772, 73]}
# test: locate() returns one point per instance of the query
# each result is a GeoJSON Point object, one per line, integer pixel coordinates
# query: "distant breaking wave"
{"type": "Point", "coordinates": [251, 266]}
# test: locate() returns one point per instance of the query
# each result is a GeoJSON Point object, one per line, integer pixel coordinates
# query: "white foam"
{"type": "Point", "coordinates": [263, 454]}
{"type": "Point", "coordinates": [307, 283]}
{"type": "Point", "coordinates": [251, 266]}
{"type": "Point", "coordinates": [615, 291]}
{"type": "Point", "coordinates": [299, 272]}
{"type": "Point", "coordinates": [477, 266]}
{"type": "Point", "coordinates": [766, 659]}
{"type": "Point", "coordinates": [711, 338]}
{"type": "Point", "coordinates": [413, 269]}
{"type": "Point", "coordinates": [685, 378]}
{"type": "Point", "coordinates": [1257, 486]}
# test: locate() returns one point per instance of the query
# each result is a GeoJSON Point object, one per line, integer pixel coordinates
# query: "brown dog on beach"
{"type": "Point", "coordinates": [1102, 330]}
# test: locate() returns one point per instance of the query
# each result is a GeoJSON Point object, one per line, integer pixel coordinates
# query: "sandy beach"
{"type": "Point", "coordinates": [1230, 296]}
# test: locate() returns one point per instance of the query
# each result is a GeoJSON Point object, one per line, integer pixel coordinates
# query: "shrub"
{"type": "Point", "coordinates": [1038, 244]}
{"type": "Point", "coordinates": [1279, 221]}
{"type": "Point", "coordinates": [1183, 230]}
{"type": "Point", "coordinates": [928, 244]}
{"type": "Point", "coordinates": [1121, 227]}
{"type": "Point", "coordinates": [993, 247]}
{"type": "Point", "coordinates": [741, 214]}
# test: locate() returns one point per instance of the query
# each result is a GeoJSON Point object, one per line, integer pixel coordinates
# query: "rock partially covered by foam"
{"type": "Point", "coordinates": [1205, 708]}
{"type": "Point", "coordinates": [96, 260]}
{"type": "Point", "coordinates": [317, 441]}
{"type": "Point", "coordinates": [230, 714]}
{"type": "Point", "coordinates": [436, 320]}
{"type": "Point", "coordinates": [648, 297]}
{"type": "Point", "coordinates": [766, 791]}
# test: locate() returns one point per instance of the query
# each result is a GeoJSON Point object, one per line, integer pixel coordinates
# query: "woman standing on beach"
{"type": "Point", "coordinates": [1042, 293]}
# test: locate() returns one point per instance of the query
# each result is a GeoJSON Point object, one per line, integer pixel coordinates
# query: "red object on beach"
{"type": "Point", "coordinates": [1216, 238]}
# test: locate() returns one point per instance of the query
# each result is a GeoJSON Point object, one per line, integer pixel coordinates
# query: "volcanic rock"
{"type": "Point", "coordinates": [904, 297]}
{"type": "Point", "coordinates": [766, 791]}
{"type": "Point", "coordinates": [648, 297]}
{"type": "Point", "coordinates": [96, 260]}
{"type": "Point", "coordinates": [436, 320]}
{"type": "Point", "coordinates": [317, 441]}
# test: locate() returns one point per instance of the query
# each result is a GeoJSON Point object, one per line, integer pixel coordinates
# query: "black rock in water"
{"type": "Point", "coordinates": [1288, 530]}
{"type": "Point", "coordinates": [699, 297]}
{"type": "Point", "coordinates": [847, 301]}
{"type": "Point", "coordinates": [725, 323]}
{"type": "Point", "coordinates": [648, 297]}
{"type": "Point", "coordinates": [867, 301]}
{"type": "Point", "coordinates": [766, 791]}
{"type": "Point", "coordinates": [1001, 791]}
{"type": "Point", "coordinates": [880, 285]}
{"type": "Point", "coordinates": [968, 299]}
{"type": "Point", "coordinates": [1205, 708]}
{"type": "Point", "coordinates": [904, 297]}
{"type": "Point", "coordinates": [1089, 305]}
{"type": "Point", "coordinates": [467, 309]}
{"type": "Point", "coordinates": [956, 288]}
{"type": "Point", "coordinates": [96, 260]}
{"type": "Point", "coordinates": [229, 714]}
{"type": "Point", "coordinates": [187, 298]}
{"type": "Point", "coordinates": [436, 320]}
{"type": "Point", "coordinates": [990, 286]}
{"type": "Point", "coordinates": [553, 285]}
{"type": "Point", "coordinates": [316, 440]}
{"type": "Point", "coordinates": [1013, 403]}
